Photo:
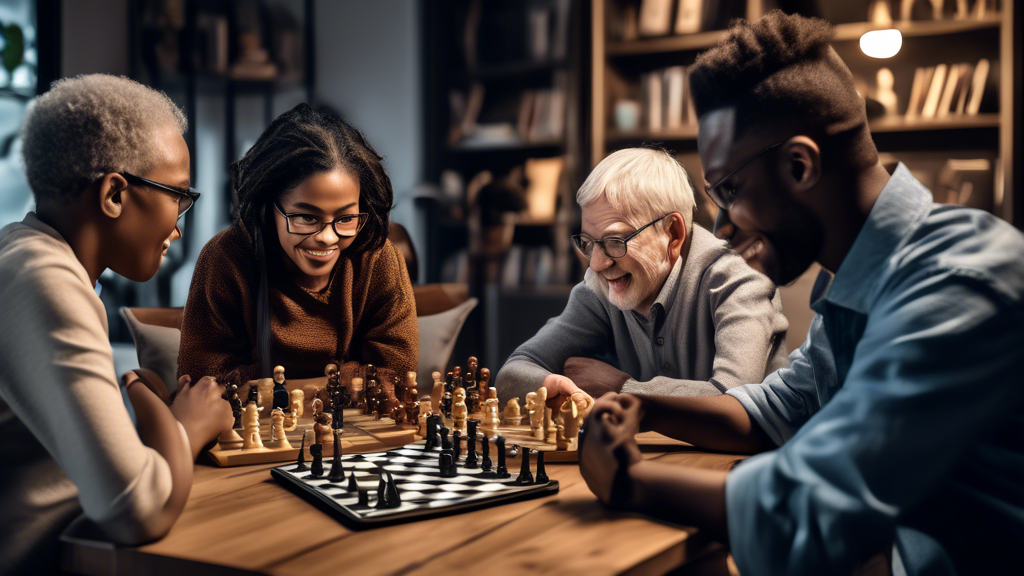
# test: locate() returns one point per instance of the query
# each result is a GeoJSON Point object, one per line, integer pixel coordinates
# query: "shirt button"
{"type": "Point", "coordinates": [660, 340]}
{"type": "Point", "coordinates": [665, 366]}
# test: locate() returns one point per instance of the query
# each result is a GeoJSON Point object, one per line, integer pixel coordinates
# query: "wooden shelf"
{"type": "Point", "coordinates": [536, 146]}
{"type": "Point", "coordinates": [844, 33]}
{"type": "Point", "coordinates": [889, 125]}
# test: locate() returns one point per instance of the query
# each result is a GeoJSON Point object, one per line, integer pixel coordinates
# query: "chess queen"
{"type": "Point", "coordinates": [306, 273]}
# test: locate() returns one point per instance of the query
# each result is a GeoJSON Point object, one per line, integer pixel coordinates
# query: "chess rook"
{"type": "Point", "coordinates": [525, 477]}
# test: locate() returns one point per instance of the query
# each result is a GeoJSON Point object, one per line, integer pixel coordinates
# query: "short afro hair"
{"type": "Point", "coordinates": [88, 126]}
{"type": "Point", "coordinates": [781, 70]}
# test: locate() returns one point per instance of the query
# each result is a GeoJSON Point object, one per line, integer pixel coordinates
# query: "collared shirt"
{"type": "Point", "coordinates": [900, 418]}
{"type": "Point", "coordinates": [716, 324]}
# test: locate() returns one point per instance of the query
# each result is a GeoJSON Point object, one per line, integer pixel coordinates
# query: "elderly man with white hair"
{"type": "Point", "coordinates": [665, 307]}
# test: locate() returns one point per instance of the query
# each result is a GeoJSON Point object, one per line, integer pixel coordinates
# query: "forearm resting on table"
{"type": "Point", "coordinates": [159, 430]}
{"type": "Point", "coordinates": [711, 422]}
{"type": "Point", "coordinates": [681, 494]}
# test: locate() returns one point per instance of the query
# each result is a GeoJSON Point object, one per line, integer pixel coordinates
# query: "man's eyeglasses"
{"type": "Point", "coordinates": [613, 246]}
{"type": "Point", "coordinates": [724, 195]}
{"type": "Point", "coordinates": [187, 197]}
{"type": "Point", "coordinates": [345, 226]}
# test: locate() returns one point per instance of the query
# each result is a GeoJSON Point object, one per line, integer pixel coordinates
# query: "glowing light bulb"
{"type": "Point", "coordinates": [881, 43]}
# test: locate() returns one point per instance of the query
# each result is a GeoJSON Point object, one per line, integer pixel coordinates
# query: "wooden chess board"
{"type": "Point", "coordinates": [361, 433]}
{"type": "Point", "coordinates": [423, 492]}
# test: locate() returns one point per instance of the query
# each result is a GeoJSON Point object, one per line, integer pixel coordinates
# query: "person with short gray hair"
{"type": "Point", "coordinates": [110, 173]}
{"type": "Point", "coordinates": [664, 309]}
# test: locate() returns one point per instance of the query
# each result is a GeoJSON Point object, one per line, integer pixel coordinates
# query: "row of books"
{"type": "Point", "coordinates": [498, 33]}
{"type": "Point", "coordinates": [664, 17]}
{"type": "Point", "coordinates": [666, 100]}
{"type": "Point", "coordinates": [950, 89]}
{"type": "Point", "coordinates": [532, 116]}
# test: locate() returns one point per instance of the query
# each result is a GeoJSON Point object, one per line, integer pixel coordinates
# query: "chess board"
{"type": "Point", "coordinates": [424, 493]}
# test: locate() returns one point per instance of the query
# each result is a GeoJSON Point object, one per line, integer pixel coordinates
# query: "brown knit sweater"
{"type": "Point", "coordinates": [366, 315]}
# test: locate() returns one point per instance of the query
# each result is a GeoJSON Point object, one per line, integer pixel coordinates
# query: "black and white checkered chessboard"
{"type": "Point", "coordinates": [424, 493]}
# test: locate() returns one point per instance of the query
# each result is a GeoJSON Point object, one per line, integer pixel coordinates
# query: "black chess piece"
{"type": "Point", "coordinates": [446, 461]}
{"type": "Point", "coordinates": [337, 412]}
{"type": "Point", "coordinates": [431, 433]}
{"type": "Point", "coordinates": [353, 486]}
{"type": "Point", "coordinates": [502, 471]}
{"type": "Point", "coordinates": [254, 394]}
{"type": "Point", "coordinates": [387, 491]}
{"type": "Point", "coordinates": [485, 464]}
{"type": "Point", "coordinates": [364, 498]}
{"type": "Point", "coordinates": [471, 459]}
{"type": "Point", "coordinates": [542, 474]}
{"type": "Point", "coordinates": [281, 397]}
{"type": "Point", "coordinates": [525, 477]}
{"type": "Point", "coordinates": [337, 472]}
{"type": "Point", "coordinates": [300, 464]}
{"type": "Point", "coordinates": [316, 469]}
{"type": "Point", "coordinates": [456, 445]}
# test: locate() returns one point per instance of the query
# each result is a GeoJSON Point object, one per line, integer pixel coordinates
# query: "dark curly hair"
{"type": "Point", "coordinates": [781, 72]}
{"type": "Point", "coordinates": [298, 144]}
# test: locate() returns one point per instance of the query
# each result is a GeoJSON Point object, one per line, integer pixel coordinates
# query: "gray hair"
{"type": "Point", "coordinates": [88, 126]}
{"type": "Point", "coordinates": [643, 184]}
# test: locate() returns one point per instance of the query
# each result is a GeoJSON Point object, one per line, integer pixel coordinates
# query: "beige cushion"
{"type": "Point", "coordinates": [438, 333]}
{"type": "Point", "coordinates": [156, 346]}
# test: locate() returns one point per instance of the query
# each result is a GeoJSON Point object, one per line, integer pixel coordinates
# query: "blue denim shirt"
{"type": "Point", "coordinates": [901, 418]}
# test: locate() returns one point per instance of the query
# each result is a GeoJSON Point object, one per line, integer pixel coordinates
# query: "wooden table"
{"type": "Point", "coordinates": [240, 521]}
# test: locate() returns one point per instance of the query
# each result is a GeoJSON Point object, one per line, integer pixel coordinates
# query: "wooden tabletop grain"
{"type": "Point", "coordinates": [240, 521]}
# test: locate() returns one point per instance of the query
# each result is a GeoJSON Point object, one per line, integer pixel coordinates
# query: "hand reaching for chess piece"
{"type": "Point", "coordinates": [594, 377]}
{"type": "Point", "coordinates": [559, 388]}
{"type": "Point", "coordinates": [201, 410]}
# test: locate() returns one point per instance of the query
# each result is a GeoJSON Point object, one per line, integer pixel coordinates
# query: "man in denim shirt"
{"type": "Point", "coordinates": [897, 428]}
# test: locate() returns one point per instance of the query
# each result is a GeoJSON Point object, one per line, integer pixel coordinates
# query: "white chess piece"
{"type": "Point", "coordinates": [512, 414]}
{"type": "Point", "coordinates": [229, 440]}
{"type": "Point", "coordinates": [251, 427]}
{"type": "Point", "coordinates": [425, 409]}
{"type": "Point", "coordinates": [459, 410]}
{"type": "Point", "coordinates": [298, 398]}
{"type": "Point", "coordinates": [277, 437]}
{"type": "Point", "coordinates": [885, 95]}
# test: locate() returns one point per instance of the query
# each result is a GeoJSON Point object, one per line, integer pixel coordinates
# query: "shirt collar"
{"type": "Point", "coordinates": [898, 212]}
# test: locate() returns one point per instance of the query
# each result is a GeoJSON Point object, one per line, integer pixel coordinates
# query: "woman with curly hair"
{"type": "Point", "coordinates": [306, 275]}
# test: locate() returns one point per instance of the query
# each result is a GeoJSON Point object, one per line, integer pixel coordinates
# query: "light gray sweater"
{"type": "Point", "coordinates": [715, 325]}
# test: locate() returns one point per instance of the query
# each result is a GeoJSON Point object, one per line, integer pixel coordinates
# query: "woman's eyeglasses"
{"type": "Point", "coordinates": [346, 225]}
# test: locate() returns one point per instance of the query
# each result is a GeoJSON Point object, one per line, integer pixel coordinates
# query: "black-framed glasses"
{"type": "Point", "coordinates": [187, 196]}
{"type": "Point", "coordinates": [613, 246]}
{"type": "Point", "coordinates": [345, 226]}
{"type": "Point", "coordinates": [722, 195]}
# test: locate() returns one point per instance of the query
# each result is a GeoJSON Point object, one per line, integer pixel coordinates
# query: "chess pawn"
{"type": "Point", "coordinates": [484, 383]}
{"type": "Point", "coordinates": [491, 406]}
{"type": "Point", "coordinates": [280, 391]}
{"type": "Point", "coordinates": [460, 412]}
{"type": "Point", "coordinates": [512, 412]}
{"type": "Point", "coordinates": [357, 392]}
{"type": "Point", "coordinates": [472, 365]}
{"type": "Point", "coordinates": [410, 383]}
{"type": "Point", "coordinates": [457, 372]}
{"type": "Point", "coordinates": [277, 437]}
{"type": "Point", "coordinates": [570, 420]}
{"type": "Point", "coordinates": [424, 413]}
{"type": "Point", "coordinates": [251, 427]}
{"type": "Point", "coordinates": [412, 406]}
{"type": "Point", "coordinates": [490, 419]}
{"type": "Point", "coordinates": [229, 440]}
{"type": "Point", "coordinates": [322, 428]}
{"type": "Point", "coordinates": [437, 394]}
{"type": "Point", "coordinates": [535, 407]}
{"type": "Point", "coordinates": [298, 399]}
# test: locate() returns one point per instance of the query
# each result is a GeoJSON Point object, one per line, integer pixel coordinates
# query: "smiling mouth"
{"type": "Point", "coordinates": [619, 284]}
{"type": "Point", "coordinates": [319, 255]}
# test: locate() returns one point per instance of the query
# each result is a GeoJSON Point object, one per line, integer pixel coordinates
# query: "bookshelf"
{"type": "Point", "coordinates": [618, 68]}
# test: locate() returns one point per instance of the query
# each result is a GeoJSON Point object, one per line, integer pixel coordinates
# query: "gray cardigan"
{"type": "Point", "coordinates": [715, 325]}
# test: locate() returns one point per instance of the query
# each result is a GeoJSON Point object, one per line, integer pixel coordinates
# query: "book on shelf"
{"type": "Point", "coordinates": [666, 100]}
{"type": "Point", "coordinates": [655, 17]}
{"type": "Point", "coordinates": [689, 16]}
{"type": "Point", "coordinates": [948, 90]}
